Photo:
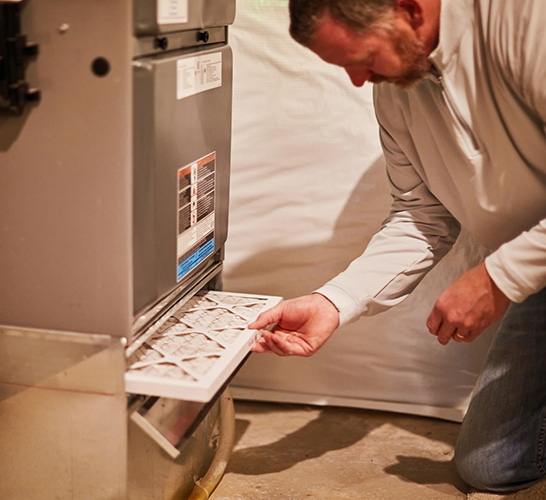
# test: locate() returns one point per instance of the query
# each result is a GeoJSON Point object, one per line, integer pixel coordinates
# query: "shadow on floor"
{"type": "Point", "coordinates": [304, 444]}
{"type": "Point", "coordinates": [425, 471]}
{"type": "Point", "coordinates": [338, 428]}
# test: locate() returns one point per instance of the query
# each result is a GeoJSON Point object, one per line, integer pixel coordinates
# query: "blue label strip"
{"type": "Point", "coordinates": [195, 259]}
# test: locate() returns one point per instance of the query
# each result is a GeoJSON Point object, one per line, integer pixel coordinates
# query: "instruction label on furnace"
{"type": "Point", "coordinates": [172, 11]}
{"type": "Point", "coordinates": [198, 74]}
{"type": "Point", "coordinates": [196, 195]}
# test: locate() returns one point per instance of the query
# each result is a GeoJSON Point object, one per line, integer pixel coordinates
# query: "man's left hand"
{"type": "Point", "coordinates": [467, 307]}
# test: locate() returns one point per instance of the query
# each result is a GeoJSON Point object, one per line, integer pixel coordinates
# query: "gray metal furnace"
{"type": "Point", "coordinates": [115, 344]}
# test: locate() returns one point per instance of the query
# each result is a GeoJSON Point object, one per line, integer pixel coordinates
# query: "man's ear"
{"type": "Point", "coordinates": [412, 11]}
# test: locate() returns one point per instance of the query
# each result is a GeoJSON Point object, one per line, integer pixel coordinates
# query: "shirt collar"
{"type": "Point", "coordinates": [456, 16]}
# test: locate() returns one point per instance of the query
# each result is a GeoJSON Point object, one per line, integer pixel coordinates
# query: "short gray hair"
{"type": "Point", "coordinates": [362, 16]}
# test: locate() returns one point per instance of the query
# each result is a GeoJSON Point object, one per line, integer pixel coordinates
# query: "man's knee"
{"type": "Point", "coordinates": [478, 469]}
{"type": "Point", "coordinates": [495, 468]}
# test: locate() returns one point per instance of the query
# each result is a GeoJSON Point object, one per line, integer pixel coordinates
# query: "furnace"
{"type": "Point", "coordinates": [116, 340]}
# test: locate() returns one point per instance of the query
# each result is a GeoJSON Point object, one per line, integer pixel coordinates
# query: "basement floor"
{"type": "Point", "coordinates": [296, 452]}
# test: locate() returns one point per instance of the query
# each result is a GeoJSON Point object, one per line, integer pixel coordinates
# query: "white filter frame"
{"type": "Point", "coordinates": [217, 313]}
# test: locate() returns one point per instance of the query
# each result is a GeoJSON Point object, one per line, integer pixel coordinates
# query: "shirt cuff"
{"type": "Point", "coordinates": [505, 280]}
{"type": "Point", "coordinates": [348, 307]}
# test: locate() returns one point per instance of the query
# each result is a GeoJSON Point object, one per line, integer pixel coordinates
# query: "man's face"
{"type": "Point", "coordinates": [398, 58]}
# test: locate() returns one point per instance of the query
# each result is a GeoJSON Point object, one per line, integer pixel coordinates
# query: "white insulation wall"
{"type": "Point", "coordinates": [308, 191]}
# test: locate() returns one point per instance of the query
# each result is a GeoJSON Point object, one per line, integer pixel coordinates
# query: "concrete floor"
{"type": "Point", "coordinates": [294, 452]}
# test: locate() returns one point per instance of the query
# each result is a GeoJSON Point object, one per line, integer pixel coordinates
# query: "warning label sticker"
{"type": "Point", "coordinates": [196, 199]}
{"type": "Point", "coordinates": [197, 74]}
{"type": "Point", "coordinates": [172, 11]}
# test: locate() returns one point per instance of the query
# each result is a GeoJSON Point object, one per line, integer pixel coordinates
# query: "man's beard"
{"type": "Point", "coordinates": [415, 58]}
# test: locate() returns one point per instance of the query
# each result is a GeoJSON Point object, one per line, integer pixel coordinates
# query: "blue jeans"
{"type": "Point", "coordinates": [501, 446]}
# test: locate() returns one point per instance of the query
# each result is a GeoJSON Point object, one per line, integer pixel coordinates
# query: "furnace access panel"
{"type": "Point", "coordinates": [182, 105]}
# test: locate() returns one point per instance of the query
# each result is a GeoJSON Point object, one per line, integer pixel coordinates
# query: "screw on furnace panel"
{"type": "Point", "coordinates": [64, 27]}
{"type": "Point", "coordinates": [161, 43]}
{"type": "Point", "coordinates": [100, 66]}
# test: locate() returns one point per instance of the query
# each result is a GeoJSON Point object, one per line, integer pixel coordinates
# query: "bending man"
{"type": "Point", "coordinates": [460, 98]}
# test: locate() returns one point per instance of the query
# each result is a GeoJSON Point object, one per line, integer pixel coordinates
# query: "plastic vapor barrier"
{"type": "Point", "coordinates": [308, 191]}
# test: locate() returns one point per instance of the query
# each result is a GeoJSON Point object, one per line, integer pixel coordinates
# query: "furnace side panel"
{"type": "Point", "coordinates": [65, 173]}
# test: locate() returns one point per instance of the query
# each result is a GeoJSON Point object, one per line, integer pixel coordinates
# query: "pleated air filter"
{"type": "Point", "coordinates": [193, 349]}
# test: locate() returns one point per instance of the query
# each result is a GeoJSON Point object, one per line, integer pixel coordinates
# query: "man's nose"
{"type": "Point", "coordinates": [358, 76]}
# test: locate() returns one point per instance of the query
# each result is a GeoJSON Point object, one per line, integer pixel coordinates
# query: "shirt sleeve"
{"type": "Point", "coordinates": [528, 65]}
{"type": "Point", "coordinates": [518, 267]}
{"type": "Point", "coordinates": [418, 232]}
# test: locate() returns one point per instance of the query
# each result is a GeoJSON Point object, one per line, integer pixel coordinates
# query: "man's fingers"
{"type": "Point", "coordinates": [445, 333]}
{"type": "Point", "coordinates": [268, 317]}
{"type": "Point", "coordinates": [282, 344]}
{"type": "Point", "coordinates": [267, 344]}
{"type": "Point", "coordinates": [296, 327]}
{"type": "Point", "coordinates": [458, 336]}
{"type": "Point", "coordinates": [462, 334]}
{"type": "Point", "coordinates": [260, 346]}
{"type": "Point", "coordinates": [439, 326]}
{"type": "Point", "coordinates": [434, 322]}
{"type": "Point", "coordinates": [467, 307]}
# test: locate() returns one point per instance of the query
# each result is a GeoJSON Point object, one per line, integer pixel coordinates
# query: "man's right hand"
{"type": "Point", "coordinates": [300, 326]}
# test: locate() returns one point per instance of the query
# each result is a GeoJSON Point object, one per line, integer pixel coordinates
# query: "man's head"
{"type": "Point", "coordinates": [359, 15]}
{"type": "Point", "coordinates": [373, 40]}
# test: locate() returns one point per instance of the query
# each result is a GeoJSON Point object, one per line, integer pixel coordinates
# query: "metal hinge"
{"type": "Point", "coordinates": [15, 91]}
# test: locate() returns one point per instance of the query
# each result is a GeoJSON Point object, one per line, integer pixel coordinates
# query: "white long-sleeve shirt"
{"type": "Point", "coordinates": [466, 146]}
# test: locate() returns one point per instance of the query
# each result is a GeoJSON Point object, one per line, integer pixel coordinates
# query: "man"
{"type": "Point", "coordinates": [460, 98]}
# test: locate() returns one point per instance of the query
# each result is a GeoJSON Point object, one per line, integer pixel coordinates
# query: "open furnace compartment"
{"type": "Point", "coordinates": [186, 360]}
